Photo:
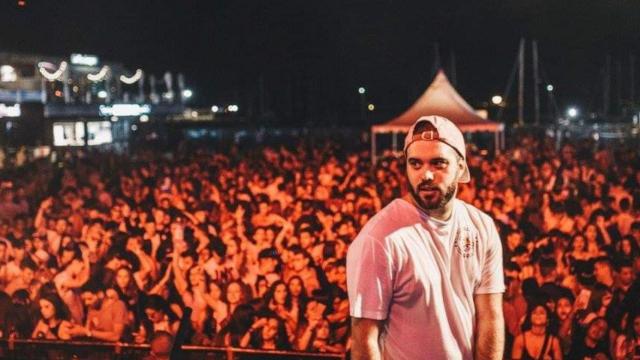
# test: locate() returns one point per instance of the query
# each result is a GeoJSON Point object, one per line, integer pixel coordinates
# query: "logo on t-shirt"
{"type": "Point", "coordinates": [465, 241]}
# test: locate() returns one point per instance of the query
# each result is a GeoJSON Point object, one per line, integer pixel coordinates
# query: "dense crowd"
{"type": "Point", "coordinates": [108, 248]}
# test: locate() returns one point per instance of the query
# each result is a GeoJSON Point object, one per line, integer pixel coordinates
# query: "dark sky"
{"type": "Point", "coordinates": [310, 56]}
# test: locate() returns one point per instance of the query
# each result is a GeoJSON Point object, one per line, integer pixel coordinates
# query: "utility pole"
{"type": "Point", "coordinates": [453, 74]}
{"type": "Point", "coordinates": [436, 59]}
{"type": "Point", "coordinates": [536, 83]}
{"type": "Point", "coordinates": [618, 109]}
{"type": "Point", "coordinates": [521, 83]}
{"type": "Point", "coordinates": [632, 78]}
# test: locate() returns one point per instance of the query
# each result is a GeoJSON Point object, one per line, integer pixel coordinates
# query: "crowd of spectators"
{"type": "Point", "coordinates": [109, 248]}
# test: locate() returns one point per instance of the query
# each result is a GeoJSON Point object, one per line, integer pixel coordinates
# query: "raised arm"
{"type": "Point", "coordinates": [161, 284]}
{"type": "Point", "coordinates": [489, 326]}
{"type": "Point", "coordinates": [179, 278]}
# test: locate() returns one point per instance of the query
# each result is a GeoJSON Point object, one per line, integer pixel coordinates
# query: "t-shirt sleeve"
{"type": "Point", "coordinates": [369, 278]}
{"type": "Point", "coordinates": [492, 278]}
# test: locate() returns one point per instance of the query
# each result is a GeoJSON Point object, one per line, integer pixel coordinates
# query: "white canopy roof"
{"type": "Point", "coordinates": [440, 98]}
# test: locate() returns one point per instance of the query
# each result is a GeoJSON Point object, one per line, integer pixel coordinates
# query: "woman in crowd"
{"type": "Point", "coordinates": [299, 299]}
{"type": "Point", "coordinates": [628, 344]}
{"type": "Point", "coordinates": [235, 295]}
{"type": "Point", "coordinates": [268, 332]}
{"type": "Point", "coordinates": [219, 308]}
{"type": "Point", "coordinates": [536, 340]}
{"type": "Point", "coordinates": [128, 292]}
{"type": "Point", "coordinates": [54, 319]}
{"type": "Point", "coordinates": [319, 338]}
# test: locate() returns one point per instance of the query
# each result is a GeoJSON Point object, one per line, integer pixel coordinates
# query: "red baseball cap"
{"type": "Point", "coordinates": [445, 131]}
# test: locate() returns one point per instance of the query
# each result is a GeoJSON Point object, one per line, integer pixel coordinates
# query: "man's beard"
{"type": "Point", "coordinates": [433, 204]}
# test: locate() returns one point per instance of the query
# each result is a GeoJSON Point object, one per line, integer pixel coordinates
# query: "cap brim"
{"type": "Point", "coordinates": [466, 177]}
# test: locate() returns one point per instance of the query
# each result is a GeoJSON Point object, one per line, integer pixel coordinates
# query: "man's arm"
{"type": "Point", "coordinates": [489, 326]}
{"type": "Point", "coordinates": [364, 336]}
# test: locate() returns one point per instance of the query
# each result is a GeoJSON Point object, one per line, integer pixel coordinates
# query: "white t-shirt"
{"type": "Point", "coordinates": [420, 275]}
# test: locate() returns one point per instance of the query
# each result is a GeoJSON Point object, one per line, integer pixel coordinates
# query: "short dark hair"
{"type": "Point", "coordinates": [93, 287]}
{"type": "Point", "coordinates": [28, 263]}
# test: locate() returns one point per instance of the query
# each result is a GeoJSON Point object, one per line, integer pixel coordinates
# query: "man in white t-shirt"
{"type": "Point", "coordinates": [424, 275]}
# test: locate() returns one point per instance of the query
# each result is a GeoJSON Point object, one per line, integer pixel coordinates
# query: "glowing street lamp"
{"type": "Point", "coordinates": [187, 93]}
{"type": "Point", "coordinates": [371, 107]}
{"type": "Point", "coordinates": [496, 99]}
{"type": "Point", "coordinates": [549, 88]}
{"type": "Point", "coordinates": [572, 112]}
{"type": "Point", "coordinates": [361, 90]}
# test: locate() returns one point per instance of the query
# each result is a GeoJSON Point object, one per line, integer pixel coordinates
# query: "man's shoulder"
{"type": "Point", "coordinates": [476, 215]}
{"type": "Point", "coordinates": [115, 307]}
{"type": "Point", "coordinates": [395, 215]}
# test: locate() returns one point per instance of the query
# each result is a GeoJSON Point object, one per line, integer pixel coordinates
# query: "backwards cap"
{"type": "Point", "coordinates": [442, 130]}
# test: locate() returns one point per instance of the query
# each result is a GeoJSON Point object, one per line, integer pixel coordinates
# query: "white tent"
{"type": "Point", "coordinates": [440, 98]}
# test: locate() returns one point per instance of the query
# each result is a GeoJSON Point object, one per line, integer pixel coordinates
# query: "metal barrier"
{"type": "Point", "coordinates": [20, 349]}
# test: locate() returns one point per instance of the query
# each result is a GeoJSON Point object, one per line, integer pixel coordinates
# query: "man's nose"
{"type": "Point", "coordinates": [428, 175]}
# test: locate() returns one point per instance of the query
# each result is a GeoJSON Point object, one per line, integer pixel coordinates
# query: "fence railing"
{"type": "Point", "coordinates": [63, 350]}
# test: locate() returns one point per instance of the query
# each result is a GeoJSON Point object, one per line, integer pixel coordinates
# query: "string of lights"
{"type": "Point", "coordinates": [100, 75]}
{"type": "Point", "coordinates": [54, 75]}
{"type": "Point", "coordinates": [134, 78]}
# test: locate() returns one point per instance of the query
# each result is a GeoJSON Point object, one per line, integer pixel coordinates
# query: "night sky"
{"type": "Point", "coordinates": [311, 56]}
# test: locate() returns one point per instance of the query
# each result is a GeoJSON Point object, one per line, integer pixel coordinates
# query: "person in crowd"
{"type": "Point", "coordinates": [536, 340]}
{"type": "Point", "coordinates": [160, 346]}
{"type": "Point", "coordinates": [54, 319]}
{"type": "Point", "coordinates": [158, 318]}
{"type": "Point", "coordinates": [106, 317]}
{"type": "Point", "coordinates": [628, 343]}
{"type": "Point", "coordinates": [565, 315]}
{"type": "Point", "coordinates": [268, 332]}
{"type": "Point", "coordinates": [594, 343]}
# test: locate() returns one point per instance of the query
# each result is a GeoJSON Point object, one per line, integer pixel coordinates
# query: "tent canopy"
{"type": "Point", "coordinates": [440, 98]}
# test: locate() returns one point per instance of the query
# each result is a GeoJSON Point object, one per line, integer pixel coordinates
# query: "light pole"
{"type": "Point", "coordinates": [552, 114]}
{"type": "Point", "coordinates": [363, 101]}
